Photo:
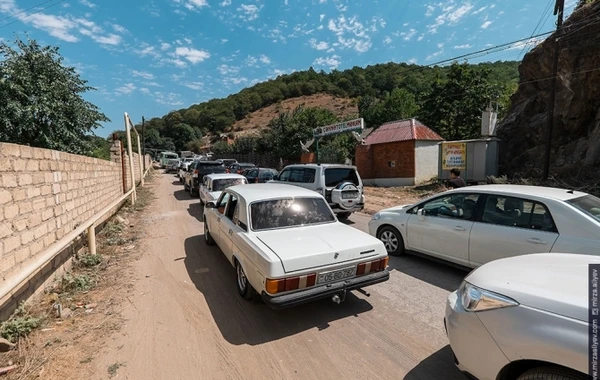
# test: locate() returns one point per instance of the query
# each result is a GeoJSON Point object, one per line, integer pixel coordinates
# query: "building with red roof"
{"type": "Point", "coordinates": [399, 153]}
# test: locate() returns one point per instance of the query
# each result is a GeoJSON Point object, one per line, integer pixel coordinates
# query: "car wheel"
{"type": "Point", "coordinates": [344, 215]}
{"type": "Point", "coordinates": [554, 373]}
{"type": "Point", "coordinates": [392, 239]}
{"type": "Point", "coordinates": [207, 236]}
{"type": "Point", "coordinates": [192, 192]}
{"type": "Point", "coordinates": [201, 202]}
{"type": "Point", "coordinates": [244, 287]}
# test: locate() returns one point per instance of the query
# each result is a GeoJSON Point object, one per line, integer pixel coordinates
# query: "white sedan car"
{"type": "Point", "coordinates": [474, 225]}
{"type": "Point", "coordinates": [213, 184]}
{"type": "Point", "coordinates": [525, 318]}
{"type": "Point", "coordinates": [287, 245]}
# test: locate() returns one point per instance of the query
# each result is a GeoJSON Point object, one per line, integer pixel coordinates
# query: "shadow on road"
{"type": "Point", "coordinates": [433, 272]}
{"type": "Point", "coordinates": [196, 210]}
{"type": "Point", "coordinates": [176, 182]}
{"type": "Point", "coordinates": [440, 365]}
{"type": "Point", "coordinates": [347, 222]}
{"type": "Point", "coordinates": [182, 195]}
{"type": "Point", "coordinates": [253, 323]}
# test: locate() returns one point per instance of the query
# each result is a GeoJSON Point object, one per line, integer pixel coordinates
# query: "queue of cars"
{"type": "Point", "coordinates": [521, 314]}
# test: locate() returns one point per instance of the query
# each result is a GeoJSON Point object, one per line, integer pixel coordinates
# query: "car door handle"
{"type": "Point", "coordinates": [536, 241]}
{"type": "Point", "coordinates": [459, 228]}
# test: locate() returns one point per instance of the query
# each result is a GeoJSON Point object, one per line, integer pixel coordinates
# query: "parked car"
{"type": "Point", "coordinates": [172, 165]}
{"type": "Point", "coordinates": [523, 318]}
{"type": "Point", "coordinates": [238, 168]}
{"type": "Point", "coordinates": [183, 166]}
{"type": "Point", "coordinates": [214, 184]}
{"type": "Point", "coordinates": [341, 185]}
{"type": "Point", "coordinates": [227, 161]}
{"type": "Point", "coordinates": [287, 245]}
{"type": "Point", "coordinates": [197, 170]}
{"type": "Point", "coordinates": [259, 175]}
{"type": "Point", "coordinates": [474, 225]}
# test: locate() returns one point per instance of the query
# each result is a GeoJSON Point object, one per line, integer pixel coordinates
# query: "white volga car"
{"type": "Point", "coordinates": [183, 167]}
{"type": "Point", "coordinates": [525, 318]}
{"type": "Point", "coordinates": [287, 245]}
{"type": "Point", "coordinates": [474, 225]}
{"type": "Point", "coordinates": [213, 184]}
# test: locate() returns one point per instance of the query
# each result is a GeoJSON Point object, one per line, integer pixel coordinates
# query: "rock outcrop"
{"type": "Point", "coordinates": [576, 133]}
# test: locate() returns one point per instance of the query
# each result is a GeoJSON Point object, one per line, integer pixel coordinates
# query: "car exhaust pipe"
{"type": "Point", "coordinates": [336, 299]}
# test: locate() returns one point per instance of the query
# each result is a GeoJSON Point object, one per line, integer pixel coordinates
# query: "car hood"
{"type": "Point", "coordinates": [397, 208]}
{"type": "Point", "coordinates": [553, 282]}
{"type": "Point", "coordinates": [301, 248]}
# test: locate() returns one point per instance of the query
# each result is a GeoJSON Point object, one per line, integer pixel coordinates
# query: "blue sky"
{"type": "Point", "coordinates": [150, 57]}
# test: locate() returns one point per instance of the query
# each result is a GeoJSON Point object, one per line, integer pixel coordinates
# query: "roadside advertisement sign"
{"type": "Point", "coordinates": [454, 156]}
{"type": "Point", "coordinates": [334, 129]}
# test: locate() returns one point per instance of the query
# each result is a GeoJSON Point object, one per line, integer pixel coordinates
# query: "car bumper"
{"type": "Point", "coordinates": [324, 291]}
{"type": "Point", "coordinates": [357, 207]}
{"type": "Point", "coordinates": [475, 352]}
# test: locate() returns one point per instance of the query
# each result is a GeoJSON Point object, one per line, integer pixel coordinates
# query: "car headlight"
{"type": "Point", "coordinates": [376, 216]}
{"type": "Point", "coordinates": [475, 299]}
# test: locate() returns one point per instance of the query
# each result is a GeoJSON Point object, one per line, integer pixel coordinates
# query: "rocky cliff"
{"type": "Point", "coordinates": [576, 133]}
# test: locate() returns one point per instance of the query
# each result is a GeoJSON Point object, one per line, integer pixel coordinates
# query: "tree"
{"type": "Point", "coordinates": [181, 135]}
{"type": "Point", "coordinates": [41, 102]}
{"type": "Point", "coordinates": [221, 147]}
{"type": "Point", "coordinates": [398, 105]}
{"type": "Point", "coordinates": [453, 106]}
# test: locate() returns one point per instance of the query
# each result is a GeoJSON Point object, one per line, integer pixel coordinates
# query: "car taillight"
{"type": "Point", "coordinates": [274, 286]}
{"type": "Point", "coordinates": [372, 266]}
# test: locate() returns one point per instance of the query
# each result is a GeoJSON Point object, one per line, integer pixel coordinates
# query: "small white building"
{"type": "Point", "coordinates": [399, 153]}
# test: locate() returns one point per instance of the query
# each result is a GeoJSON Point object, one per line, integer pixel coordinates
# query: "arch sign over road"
{"type": "Point", "coordinates": [334, 129]}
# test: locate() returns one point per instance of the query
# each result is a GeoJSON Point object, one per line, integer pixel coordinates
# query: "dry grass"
{"type": "Point", "coordinates": [64, 348]}
{"type": "Point", "coordinates": [378, 198]}
{"type": "Point", "coordinates": [254, 122]}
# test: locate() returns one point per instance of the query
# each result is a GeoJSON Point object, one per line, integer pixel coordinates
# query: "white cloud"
{"type": "Point", "coordinates": [421, 37]}
{"type": "Point", "coordinates": [387, 40]}
{"type": "Point", "coordinates": [144, 90]}
{"type": "Point", "coordinates": [147, 50]}
{"type": "Point", "coordinates": [228, 70]}
{"type": "Point", "coordinates": [465, 46]}
{"type": "Point", "coordinates": [332, 62]}
{"type": "Point", "coordinates": [192, 5]}
{"type": "Point", "coordinates": [194, 85]}
{"type": "Point", "coordinates": [168, 99]}
{"type": "Point", "coordinates": [408, 35]}
{"type": "Point", "coordinates": [250, 12]}
{"type": "Point", "coordinates": [165, 46]}
{"type": "Point", "coordinates": [486, 24]}
{"type": "Point", "coordinates": [125, 89]}
{"type": "Point", "coordinates": [450, 14]}
{"type": "Point", "coordinates": [224, 40]}
{"type": "Point", "coordinates": [434, 55]}
{"type": "Point", "coordinates": [351, 33]}
{"type": "Point", "coordinates": [322, 1]}
{"type": "Point", "coordinates": [142, 74]}
{"type": "Point", "coordinates": [264, 59]}
{"type": "Point", "coordinates": [318, 45]}
{"type": "Point", "coordinates": [412, 61]}
{"type": "Point", "coordinates": [532, 42]}
{"type": "Point", "coordinates": [192, 55]}
{"type": "Point", "coordinates": [226, 3]}
{"type": "Point", "coordinates": [440, 45]}
{"type": "Point", "coordinates": [321, 17]}
{"type": "Point", "coordinates": [251, 61]}
{"type": "Point", "coordinates": [187, 40]}
{"type": "Point", "coordinates": [118, 28]}
{"type": "Point", "coordinates": [87, 3]}
{"type": "Point", "coordinates": [430, 10]}
{"type": "Point", "coordinates": [479, 10]}
{"type": "Point", "coordinates": [153, 84]}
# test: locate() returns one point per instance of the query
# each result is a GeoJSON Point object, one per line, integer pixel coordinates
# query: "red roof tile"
{"type": "Point", "coordinates": [401, 130]}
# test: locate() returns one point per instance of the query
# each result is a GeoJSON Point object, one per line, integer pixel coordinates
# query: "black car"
{"type": "Point", "coordinates": [197, 170]}
{"type": "Point", "coordinates": [259, 175]}
{"type": "Point", "coordinates": [239, 167]}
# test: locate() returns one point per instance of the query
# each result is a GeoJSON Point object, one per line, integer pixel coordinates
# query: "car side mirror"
{"type": "Point", "coordinates": [275, 178]}
{"type": "Point", "coordinates": [421, 213]}
{"type": "Point", "coordinates": [210, 205]}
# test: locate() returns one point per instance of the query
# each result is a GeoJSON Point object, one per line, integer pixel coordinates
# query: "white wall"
{"type": "Point", "coordinates": [427, 155]}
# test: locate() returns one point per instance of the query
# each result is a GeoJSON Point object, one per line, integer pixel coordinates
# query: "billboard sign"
{"type": "Point", "coordinates": [334, 129]}
{"type": "Point", "coordinates": [454, 156]}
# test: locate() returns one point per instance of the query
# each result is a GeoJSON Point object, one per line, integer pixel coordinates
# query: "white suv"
{"type": "Point", "coordinates": [341, 185]}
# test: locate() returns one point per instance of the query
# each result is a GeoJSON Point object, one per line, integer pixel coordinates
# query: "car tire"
{"type": "Point", "coordinates": [192, 192]}
{"type": "Point", "coordinates": [243, 286]}
{"type": "Point", "coordinates": [344, 215]}
{"type": "Point", "coordinates": [392, 239]}
{"type": "Point", "coordinates": [201, 202]}
{"type": "Point", "coordinates": [207, 236]}
{"type": "Point", "coordinates": [554, 373]}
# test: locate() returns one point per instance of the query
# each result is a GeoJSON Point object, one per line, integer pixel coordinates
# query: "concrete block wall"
{"type": "Point", "coordinates": [44, 194]}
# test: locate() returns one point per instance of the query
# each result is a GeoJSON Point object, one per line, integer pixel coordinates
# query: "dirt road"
{"type": "Point", "coordinates": [186, 320]}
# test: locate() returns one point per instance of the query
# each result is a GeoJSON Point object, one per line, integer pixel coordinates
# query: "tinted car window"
{"type": "Point", "coordinates": [284, 213]}
{"type": "Point", "coordinates": [517, 212]}
{"type": "Point", "coordinates": [589, 204]}
{"type": "Point", "coordinates": [460, 206]}
{"type": "Point", "coordinates": [335, 176]}
{"type": "Point", "coordinates": [222, 184]}
{"type": "Point", "coordinates": [266, 174]}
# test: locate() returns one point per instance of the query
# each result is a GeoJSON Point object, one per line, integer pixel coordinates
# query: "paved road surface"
{"type": "Point", "coordinates": [186, 320]}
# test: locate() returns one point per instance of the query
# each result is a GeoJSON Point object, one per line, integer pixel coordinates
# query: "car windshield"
{"type": "Point", "coordinates": [335, 176]}
{"type": "Point", "coordinates": [589, 204]}
{"type": "Point", "coordinates": [288, 212]}
{"type": "Point", "coordinates": [222, 184]}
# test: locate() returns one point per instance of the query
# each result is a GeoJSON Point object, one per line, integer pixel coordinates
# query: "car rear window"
{"type": "Point", "coordinates": [289, 212]}
{"type": "Point", "coordinates": [589, 204]}
{"type": "Point", "coordinates": [222, 184]}
{"type": "Point", "coordinates": [335, 176]}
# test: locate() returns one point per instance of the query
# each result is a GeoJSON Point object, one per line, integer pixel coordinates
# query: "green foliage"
{"type": "Point", "coordinates": [397, 105]}
{"type": "Point", "coordinates": [41, 102]}
{"type": "Point", "coordinates": [89, 260]}
{"type": "Point", "coordinates": [453, 106]}
{"type": "Point", "coordinates": [100, 147]}
{"type": "Point", "coordinates": [76, 282]}
{"type": "Point", "coordinates": [221, 147]}
{"type": "Point", "coordinates": [20, 324]}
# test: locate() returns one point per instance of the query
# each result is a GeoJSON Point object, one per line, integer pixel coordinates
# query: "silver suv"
{"type": "Point", "coordinates": [341, 185]}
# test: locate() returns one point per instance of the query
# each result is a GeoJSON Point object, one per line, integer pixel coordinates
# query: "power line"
{"type": "Point", "coordinates": [31, 14]}
{"type": "Point", "coordinates": [25, 10]}
{"type": "Point", "coordinates": [543, 17]}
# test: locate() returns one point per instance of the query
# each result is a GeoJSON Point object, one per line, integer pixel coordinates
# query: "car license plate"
{"type": "Point", "coordinates": [336, 275]}
{"type": "Point", "coordinates": [349, 195]}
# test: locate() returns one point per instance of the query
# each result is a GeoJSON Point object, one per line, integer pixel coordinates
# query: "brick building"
{"type": "Point", "coordinates": [399, 153]}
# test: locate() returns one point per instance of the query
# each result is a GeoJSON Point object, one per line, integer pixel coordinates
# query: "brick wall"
{"type": "Point", "coordinates": [45, 194]}
{"type": "Point", "coordinates": [372, 161]}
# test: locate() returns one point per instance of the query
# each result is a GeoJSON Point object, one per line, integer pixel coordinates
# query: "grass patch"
{"type": "Point", "coordinates": [20, 324]}
{"type": "Point", "coordinates": [89, 261]}
{"type": "Point", "coordinates": [71, 282]}
{"type": "Point", "coordinates": [113, 368]}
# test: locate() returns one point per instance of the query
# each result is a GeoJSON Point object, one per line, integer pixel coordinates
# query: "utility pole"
{"type": "Point", "coordinates": [144, 143]}
{"type": "Point", "coordinates": [559, 8]}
